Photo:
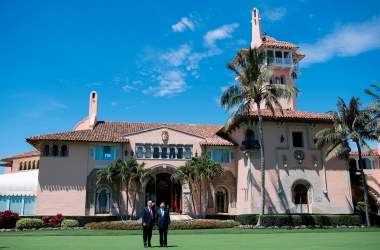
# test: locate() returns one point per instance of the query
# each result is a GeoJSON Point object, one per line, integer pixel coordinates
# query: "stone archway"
{"type": "Point", "coordinates": [161, 188]}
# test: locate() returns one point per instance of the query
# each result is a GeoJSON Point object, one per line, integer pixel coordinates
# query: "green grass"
{"type": "Point", "coordinates": [220, 239]}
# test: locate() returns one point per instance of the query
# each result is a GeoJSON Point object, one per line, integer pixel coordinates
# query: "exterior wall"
{"type": "Point", "coordinates": [16, 162]}
{"type": "Point", "coordinates": [329, 182]}
{"type": "Point", "coordinates": [62, 182]}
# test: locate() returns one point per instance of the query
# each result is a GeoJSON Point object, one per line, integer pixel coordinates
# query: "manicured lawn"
{"type": "Point", "coordinates": [220, 239]}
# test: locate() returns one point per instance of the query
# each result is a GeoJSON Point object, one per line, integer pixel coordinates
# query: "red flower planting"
{"type": "Point", "coordinates": [8, 219]}
{"type": "Point", "coordinates": [53, 221]}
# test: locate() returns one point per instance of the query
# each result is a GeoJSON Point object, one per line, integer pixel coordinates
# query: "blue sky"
{"type": "Point", "coordinates": [165, 60]}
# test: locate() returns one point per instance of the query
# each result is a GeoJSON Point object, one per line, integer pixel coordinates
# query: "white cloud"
{"type": "Point", "coordinates": [171, 82]}
{"type": "Point", "coordinates": [344, 41]}
{"type": "Point", "coordinates": [220, 33]}
{"type": "Point", "coordinates": [48, 107]}
{"type": "Point", "coordinates": [128, 88]}
{"type": "Point", "coordinates": [176, 57]}
{"type": "Point", "coordinates": [183, 24]}
{"type": "Point", "coordinates": [274, 15]}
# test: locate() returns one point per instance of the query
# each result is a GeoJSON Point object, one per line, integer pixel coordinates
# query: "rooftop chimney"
{"type": "Point", "coordinates": [256, 31]}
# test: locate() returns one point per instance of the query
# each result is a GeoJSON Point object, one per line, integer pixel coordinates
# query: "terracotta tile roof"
{"type": "Point", "coordinates": [271, 42]}
{"type": "Point", "coordinates": [117, 131]}
{"type": "Point", "coordinates": [293, 115]}
{"type": "Point", "coordinates": [22, 155]}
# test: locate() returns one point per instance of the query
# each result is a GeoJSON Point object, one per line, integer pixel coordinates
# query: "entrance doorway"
{"type": "Point", "coordinates": [162, 189]}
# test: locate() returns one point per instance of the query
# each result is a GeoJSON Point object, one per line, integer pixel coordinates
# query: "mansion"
{"type": "Point", "coordinates": [60, 175]}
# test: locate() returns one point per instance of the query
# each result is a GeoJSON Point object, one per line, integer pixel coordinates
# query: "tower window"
{"type": "Point", "coordinates": [55, 150]}
{"type": "Point", "coordinates": [297, 139]}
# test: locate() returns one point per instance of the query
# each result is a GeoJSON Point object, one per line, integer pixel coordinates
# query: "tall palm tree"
{"type": "Point", "coordinates": [254, 91]}
{"type": "Point", "coordinates": [213, 170]}
{"type": "Point", "coordinates": [351, 124]}
{"type": "Point", "coordinates": [141, 176]}
{"type": "Point", "coordinates": [375, 94]}
{"type": "Point", "coordinates": [187, 174]}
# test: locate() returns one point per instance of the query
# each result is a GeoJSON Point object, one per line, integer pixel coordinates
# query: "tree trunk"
{"type": "Point", "coordinates": [134, 203]}
{"type": "Point", "coordinates": [262, 164]}
{"type": "Point", "coordinates": [192, 197]}
{"type": "Point", "coordinates": [200, 197]}
{"type": "Point", "coordinates": [127, 193]}
{"type": "Point", "coordinates": [364, 185]}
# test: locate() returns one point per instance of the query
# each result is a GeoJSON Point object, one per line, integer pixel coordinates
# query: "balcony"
{"type": "Point", "coordinates": [280, 61]}
{"type": "Point", "coordinates": [250, 145]}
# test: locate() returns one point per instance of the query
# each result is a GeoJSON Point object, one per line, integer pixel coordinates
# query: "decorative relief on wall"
{"type": "Point", "coordinates": [165, 136]}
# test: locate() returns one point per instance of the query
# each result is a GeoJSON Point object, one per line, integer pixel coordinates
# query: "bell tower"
{"type": "Point", "coordinates": [89, 122]}
{"type": "Point", "coordinates": [256, 31]}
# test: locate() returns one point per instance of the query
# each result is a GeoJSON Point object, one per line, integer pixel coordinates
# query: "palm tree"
{"type": "Point", "coordinates": [187, 174]}
{"type": "Point", "coordinates": [351, 124]}
{"type": "Point", "coordinates": [140, 176]}
{"type": "Point", "coordinates": [375, 94]}
{"type": "Point", "coordinates": [253, 90]}
{"type": "Point", "coordinates": [213, 170]}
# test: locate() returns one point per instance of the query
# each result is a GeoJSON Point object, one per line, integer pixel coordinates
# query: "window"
{"type": "Point", "coordinates": [297, 139]}
{"type": "Point", "coordinates": [156, 152]}
{"type": "Point", "coordinates": [270, 56]}
{"type": "Point", "coordinates": [188, 152]}
{"type": "Point", "coordinates": [172, 152]}
{"type": "Point", "coordinates": [102, 202]}
{"type": "Point", "coordinates": [148, 151]}
{"type": "Point", "coordinates": [179, 152]}
{"type": "Point", "coordinates": [366, 163]}
{"type": "Point", "coordinates": [55, 150]}
{"type": "Point", "coordinates": [46, 150]}
{"type": "Point", "coordinates": [220, 155]}
{"type": "Point", "coordinates": [29, 165]}
{"type": "Point", "coordinates": [107, 154]}
{"type": "Point", "coordinates": [282, 80]}
{"type": "Point", "coordinates": [164, 152]}
{"type": "Point", "coordinates": [279, 54]}
{"type": "Point", "coordinates": [139, 152]}
{"type": "Point", "coordinates": [34, 165]}
{"type": "Point", "coordinates": [300, 194]}
{"type": "Point", "coordinates": [20, 168]}
{"type": "Point", "coordinates": [64, 151]}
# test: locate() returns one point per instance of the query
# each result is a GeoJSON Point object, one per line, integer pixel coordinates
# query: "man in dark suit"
{"type": "Point", "coordinates": [147, 219]}
{"type": "Point", "coordinates": [163, 222]}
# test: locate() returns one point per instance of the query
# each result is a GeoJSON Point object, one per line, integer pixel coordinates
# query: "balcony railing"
{"type": "Point", "coordinates": [279, 61]}
{"type": "Point", "coordinates": [250, 145]}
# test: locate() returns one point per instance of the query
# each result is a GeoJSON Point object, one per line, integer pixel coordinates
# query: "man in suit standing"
{"type": "Point", "coordinates": [163, 222]}
{"type": "Point", "coordinates": [147, 219]}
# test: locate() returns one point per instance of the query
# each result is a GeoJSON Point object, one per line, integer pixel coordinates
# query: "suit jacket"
{"type": "Point", "coordinates": [147, 218]}
{"type": "Point", "coordinates": [163, 220]}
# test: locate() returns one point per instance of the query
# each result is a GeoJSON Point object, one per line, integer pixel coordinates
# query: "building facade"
{"type": "Point", "coordinates": [298, 179]}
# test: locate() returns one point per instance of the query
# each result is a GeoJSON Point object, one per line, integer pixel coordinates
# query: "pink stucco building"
{"type": "Point", "coordinates": [62, 172]}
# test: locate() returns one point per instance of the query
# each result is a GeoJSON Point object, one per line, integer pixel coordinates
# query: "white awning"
{"type": "Point", "coordinates": [19, 183]}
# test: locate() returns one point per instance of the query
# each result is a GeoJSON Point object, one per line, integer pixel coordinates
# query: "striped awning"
{"type": "Point", "coordinates": [19, 183]}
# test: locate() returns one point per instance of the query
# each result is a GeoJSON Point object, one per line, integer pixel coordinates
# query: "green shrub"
{"type": "Point", "coordinates": [68, 223]}
{"type": "Point", "coordinates": [28, 223]}
{"type": "Point", "coordinates": [175, 225]}
{"type": "Point", "coordinates": [84, 219]}
{"type": "Point", "coordinates": [247, 219]}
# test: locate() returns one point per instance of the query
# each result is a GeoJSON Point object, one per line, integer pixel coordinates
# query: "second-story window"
{"type": "Point", "coordinates": [139, 152]}
{"type": "Point", "coordinates": [148, 151]}
{"type": "Point", "coordinates": [179, 152]}
{"type": "Point", "coordinates": [172, 152]}
{"type": "Point", "coordinates": [297, 139]}
{"type": "Point", "coordinates": [187, 152]}
{"type": "Point", "coordinates": [107, 153]}
{"type": "Point", "coordinates": [64, 151]}
{"type": "Point", "coordinates": [55, 151]}
{"type": "Point", "coordinates": [46, 150]}
{"type": "Point", "coordinates": [164, 152]}
{"type": "Point", "coordinates": [156, 152]}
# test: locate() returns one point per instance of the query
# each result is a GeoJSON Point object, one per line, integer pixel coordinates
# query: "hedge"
{"type": "Point", "coordinates": [175, 225]}
{"type": "Point", "coordinates": [69, 223]}
{"type": "Point", "coordinates": [29, 223]}
{"type": "Point", "coordinates": [298, 219]}
{"type": "Point", "coordinates": [83, 220]}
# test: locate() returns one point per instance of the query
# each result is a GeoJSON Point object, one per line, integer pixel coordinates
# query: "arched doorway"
{"type": "Point", "coordinates": [301, 197]}
{"type": "Point", "coordinates": [161, 188]}
{"type": "Point", "coordinates": [221, 197]}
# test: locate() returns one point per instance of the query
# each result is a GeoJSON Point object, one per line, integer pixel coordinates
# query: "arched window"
{"type": "Point", "coordinates": [283, 80]}
{"type": "Point", "coordinates": [300, 194]}
{"type": "Point", "coordinates": [103, 201]}
{"type": "Point", "coordinates": [55, 150]}
{"type": "Point", "coordinates": [46, 150]}
{"type": "Point", "coordinates": [221, 197]}
{"type": "Point", "coordinates": [21, 166]}
{"type": "Point", "coordinates": [64, 151]}
{"type": "Point", "coordinates": [38, 164]}
{"type": "Point", "coordinates": [34, 165]}
{"type": "Point", "coordinates": [29, 165]}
